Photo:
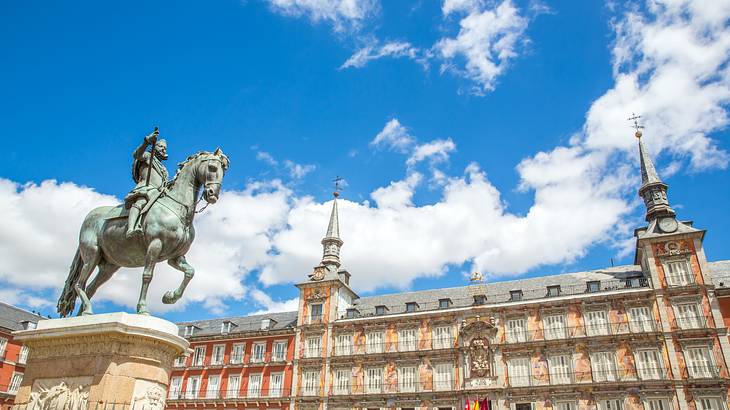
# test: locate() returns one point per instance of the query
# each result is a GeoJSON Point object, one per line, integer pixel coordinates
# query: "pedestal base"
{"type": "Point", "coordinates": [96, 362]}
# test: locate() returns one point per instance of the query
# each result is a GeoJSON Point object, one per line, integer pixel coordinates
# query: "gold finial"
{"type": "Point", "coordinates": [636, 126]}
{"type": "Point", "coordinates": [476, 277]}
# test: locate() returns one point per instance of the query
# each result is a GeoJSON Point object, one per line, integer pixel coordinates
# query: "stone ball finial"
{"type": "Point", "coordinates": [638, 134]}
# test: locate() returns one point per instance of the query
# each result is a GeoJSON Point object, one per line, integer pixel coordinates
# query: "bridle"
{"type": "Point", "coordinates": [208, 184]}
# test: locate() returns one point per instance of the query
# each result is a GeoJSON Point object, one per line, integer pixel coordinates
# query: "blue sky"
{"type": "Point", "coordinates": [485, 135]}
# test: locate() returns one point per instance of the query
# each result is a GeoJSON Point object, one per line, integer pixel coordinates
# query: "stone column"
{"type": "Point", "coordinates": [92, 361]}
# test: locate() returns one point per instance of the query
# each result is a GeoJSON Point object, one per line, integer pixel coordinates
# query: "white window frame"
{"type": "Point", "coordinates": [678, 272]}
{"type": "Point", "coordinates": [180, 361]}
{"type": "Point", "coordinates": [657, 403]}
{"type": "Point", "coordinates": [218, 355]}
{"type": "Point", "coordinates": [516, 330]}
{"type": "Point", "coordinates": [3, 345]}
{"type": "Point", "coordinates": [278, 351]}
{"type": "Point", "coordinates": [518, 371]}
{"type": "Point", "coordinates": [15, 382]}
{"type": "Point", "coordinates": [374, 380]}
{"type": "Point", "coordinates": [276, 389]}
{"type": "Point", "coordinates": [210, 392]}
{"type": "Point", "coordinates": [189, 330]}
{"type": "Point", "coordinates": [342, 381]}
{"type": "Point", "coordinates": [374, 342]}
{"type": "Point", "coordinates": [255, 380]}
{"type": "Point", "coordinates": [703, 401]}
{"type": "Point", "coordinates": [443, 378]}
{"type": "Point", "coordinates": [649, 371]}
{"type": "Point", "coordinates": [313, 319]}
{"type": "Point", "coordinates": [611, 404]}
{"type": "Point", "coordinates": [235, 358]}
{"type": "Point", "coordinates": [596, 322]}
{"type": "Point", "coordinates": [689, 315]}
{"type": "Point", "coordinates": [565, 405]}
{"type": "Point", "coordinates": [313, 346]}
{"type": "Point", "coordinates": [554, 326]}
{"type": "Point", "coordinates": [310, 385]}
{"type": "Point", "coordinates": [175, 388]}
{"type": "Point", "coordinates": [561, 369]}
{"type": "Point", "coordinates": [235, 392]}
{"type": "Point", "coordinates": [192, 390]}
{"type": "Point", "coordinates": [199, 358]}
{"type": "Point", "coordinates": [407, 379]}
{"type": "Point", "coordinates": [604, 367]}
{"type": "Point", "coordinates": [23, 355]}
{"type": "Point", "coordinates": [343, 344]}
{"type": "Point", "coordinates": [442, 338]}
{"type": "Point", "coordinates": [258, 352]}
{"type": "Point", "coordinates": [407, 340]}
{"type": "Point", "coordinates": [703, 354]}
{"type": "Point", "coordinates": [640, 319]}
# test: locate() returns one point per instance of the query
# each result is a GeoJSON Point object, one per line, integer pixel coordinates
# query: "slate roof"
{"type": "Point", "coordinates": [720, 272]}
{"type": "Point", "coordinates": [12, 317]}
{"type": "Point", "coordinates": [243, 324]}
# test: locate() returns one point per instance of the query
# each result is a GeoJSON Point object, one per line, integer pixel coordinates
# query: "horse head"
{"type": "Point", "coordinates": [210, 170]}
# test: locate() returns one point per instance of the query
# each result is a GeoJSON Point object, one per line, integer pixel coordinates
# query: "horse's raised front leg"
{"type": "Point", "coordinates": [182, 265]}
{"type": "Point", "coordinates": [90, 258]}
{"type": "Point", "coordinates": [150, 260]}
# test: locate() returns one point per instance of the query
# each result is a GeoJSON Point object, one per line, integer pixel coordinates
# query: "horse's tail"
{"type": "Point", "coordinates": [67, 301]}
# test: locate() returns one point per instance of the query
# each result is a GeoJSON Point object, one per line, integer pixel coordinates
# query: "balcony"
{"type": "Point", "coordinates": [700, 372]}
{"type": "Point", "coordinates": [573, 377]}
{"type": "Point", "coordinates": [588, 330]}
{"type": "Point", "coordinates": [238, 395]}
{"type": "Point", "coordinates": [347, 389]}
{"type": "Point", "coordinates": [433, 344]}
{"type": "Point", "coordinates": [679, 281]}
{"type": "Point", "coordinates": [690, 322]}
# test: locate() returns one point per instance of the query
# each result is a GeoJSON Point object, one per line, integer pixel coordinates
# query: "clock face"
{"type": "Point", "coordinates": [668, 224]}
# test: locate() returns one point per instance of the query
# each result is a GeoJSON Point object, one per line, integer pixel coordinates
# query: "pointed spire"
{"type": "Point", "coordinates": [332, 243]}
{"type": "Point", "coordinates": [653, 190]}
{"type": "Point", "coordinates": [648, 172]}
{"type": "Point", "coordinates": [333, 229]}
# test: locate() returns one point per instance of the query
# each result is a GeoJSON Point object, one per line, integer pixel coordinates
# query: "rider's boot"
{"type": "Point", "coordinates": [133, 229]}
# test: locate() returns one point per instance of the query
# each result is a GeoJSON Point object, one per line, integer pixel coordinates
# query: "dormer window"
{"type": "Point", "coordinates": [352, 313]}
{"type": "Point", "coordinates": [267, 323]}
{"type": "Point", "coordinates": [515, 295]}
{"type": "Point", "coordinates": [593, 286]}
{"type": "Point", "coordinates": [444, 303]}
{"type": "Point", "coordinates": [380, 310]}
{"type": "Point", "coordinates": [553, 290]}
{"type": "Point", "coordinates": [189, 330]}
{"type": "Point", "coordinates": [28, 325]}
{"type": "Point", "coordinates": [226, 327]}
{"type": "Point", "coordinates": [480, 299]}
{"type": "Point", "coordinates": [635, 282]}
{"type": "Point", "coordinates": [411, 307]}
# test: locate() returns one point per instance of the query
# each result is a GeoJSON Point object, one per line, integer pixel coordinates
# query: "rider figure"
{"type": "Point", "coordinates": [136, 200]}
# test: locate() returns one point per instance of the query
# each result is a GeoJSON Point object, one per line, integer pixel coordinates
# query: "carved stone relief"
{"type": "Point", "coordinates": [60, 394]}
{"type": "Point", "coordinates": [148, 396]}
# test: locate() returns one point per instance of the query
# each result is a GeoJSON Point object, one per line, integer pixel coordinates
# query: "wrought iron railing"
{"type": "Point", "coordinates": [349, 389]}
{"type": "Point", "coordinates": [437, 343]}
{"type": "Point", "coordinates": [238, 394]}
{"type": "Point", "coordinates": [571, 377]}
{"type": "Point", "coordinates": [585, 330]}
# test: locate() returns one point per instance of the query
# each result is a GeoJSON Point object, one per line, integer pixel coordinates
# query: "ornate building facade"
{"type": "Point", "coordinates": [12, 353]}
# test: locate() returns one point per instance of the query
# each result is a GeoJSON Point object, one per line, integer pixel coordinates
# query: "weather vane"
{"type": "Point", "coordinates": [338, 185]}
{"type": "Point", "coordinates": [636, 126]}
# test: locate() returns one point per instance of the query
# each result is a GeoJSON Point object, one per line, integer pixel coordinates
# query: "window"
{"type": "Point", "coordinates": [342, 381]}
{"type": "Point", "coordinates": [254, 385]}
{"type": "Point", "coordinates": [678, 273]}
{"type": "Point", "coordinates": [699, 362]}
{"type": "Point", "coordinates": [407, 379]}
{"type": "Point", "coordinates": [656, 404]}
{"type": "Point", "coordinates": [374, 342]}
{"type": "Point", "coordinates": [226, 327]}
{"type": "Point", "coordinates": [561, 369]}
{"type": "Point", "coordinates": [374, 380]}
{"type": "Point", "coordinates": [611, 404]}
{"type": "Point", "coordinates": [311, 383]}
{"type": "Point", "coordinates": [380, 310]}
{"type": "Point", "coordinates": [351, 313]}
{"type": "Point", "coordinates": [554, 327]}
{"type": "Point", "coordinates": [515, 295]}
{"type": "Point", "coordinates": [313, 347]}
{"type": "Point", "coordinates": [597, 323]}
{"type": "Point", "coordinates": [276, 385]}
{"type": "Point", "coordinates": [444, 303]}
{"type": "Point", "coordinates": [636, 282]}
{"type": "Point", "coordinates": [649, 364]}
{"type": "Point", "coordinates": [442, 337]}
{"type": "Point", "coordinates": [603, 365]}
{"type": "Point", "coordinates": [593, 286]}
{"type": "Point", "coordinates": [237, 353]}
{"type": "Point", "coordinates": [688, 316]}
{"type": "Point", "coordinates": [23, 356]}
{"type": "Point", "coordinates": [234, 386]}
{"type": "Point", "coordinates": [343, 345]}
{"type": "Point", "coordinates": [519, 371]}
{"type": "Point", "coordinates": [406, 340]}
{"type": "Point", "coordinates": [15, 383]}
{"type": "Point", "coordinates": [199, 356]}
{"type": "Point", "coordinates": [3, 345]}
{"type": "Point", "coordinates": [553, 290]}
{"type": "Point", "coordinates": [565, 405]}
{"type": "Point", "coordinates": [640, 319]}
{"type": "Point", "coordinates": [517, 330]}
{"type": "Point", "coordinates": [411, 307]}
{"type": "Point", "coordinates": [267, 324]}
{"type": "Point", "coordinates": [213, 385]}
{"type": "Point", "coordinates": [710, 403]}
{"type": "Point", "coordinates": [315, 313]}
{"type": "Point", "coordinates": [189, 330]}
{"type": "Point", "coordinates": [257, 352]}
{"type": "Point", "coordinates": [180, 361]}
{"type": "Point", "coordinates": [216, 358]}
{"type": "Point", "coordinates": [480, 299]}
{"type": "Point", "coordinates": [279, 351]}
{"type": "Point", "coordinates": [443, 376]}
{"type": "Point", "coordinates": [175, 387]}
{"type": "Point", "coordinates": [191, 392]}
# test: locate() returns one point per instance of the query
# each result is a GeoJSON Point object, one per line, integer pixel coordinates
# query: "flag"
{"type": "Point", "coordinates": [485, 404]}
{"type": "Point", "coordinates": [466, 404]}
{"type": "Point", "coordinates": [476, 405]}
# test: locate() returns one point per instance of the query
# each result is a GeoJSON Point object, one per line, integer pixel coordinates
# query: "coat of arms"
{"type": "Point", "coordinates": [479, 357]}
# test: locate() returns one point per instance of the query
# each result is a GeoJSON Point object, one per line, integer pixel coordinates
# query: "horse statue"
{"type": "Point", "coordinates": [168, 234]}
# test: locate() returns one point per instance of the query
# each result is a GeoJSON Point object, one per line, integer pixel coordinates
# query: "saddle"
{"type": "Point", "coordinates": [121, 212]}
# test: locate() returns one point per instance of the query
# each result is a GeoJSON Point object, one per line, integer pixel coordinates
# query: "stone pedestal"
{"type": "Point", "coordinates": [105, 361]}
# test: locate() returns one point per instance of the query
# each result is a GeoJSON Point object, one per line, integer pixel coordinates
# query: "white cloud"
{"type": "Point", "coordinates": [298, 171]}
{"type": "Point", "coordinates": [270, 305]}
{"type": "Point", "coordinates": [435, 151]}
{"type": "Point", "coordinates": [487, 40]}
{"type": "Point", "coordinates": [374, 52]}
{"type": "Point", "coordinates": [344, 15]}
{"type": "Point", "coordinates": [267, 158]}
{"type": "Point", "coordinates": [394, 136]}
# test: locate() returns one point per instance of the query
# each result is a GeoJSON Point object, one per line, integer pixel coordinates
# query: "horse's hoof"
{"type": "Point", "coordinates": [169, 298]}
{"type": "Point", "coordinates": [87, 313]}
{"type": "Point", "coordinates": [142, 311]}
